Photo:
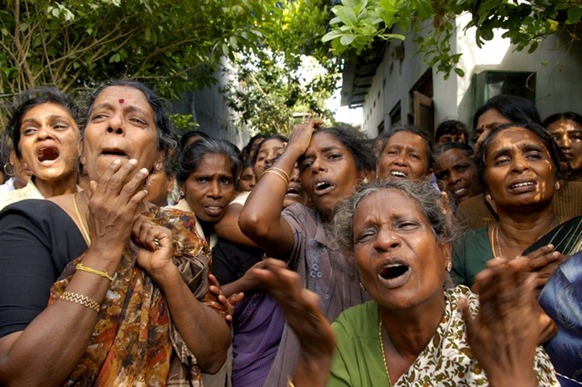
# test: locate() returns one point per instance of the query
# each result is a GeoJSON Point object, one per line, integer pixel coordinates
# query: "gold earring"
{"type": "Point", "coordinates": [449, 266]}
{"type": "Point", "coordinates": [557, 185]}
{"type": "Point", "coordinates": [365, 181]}
{"type": "Point", "coordinates": [488, 197]}
{"type": "Point", "coordinates": [362, 287]}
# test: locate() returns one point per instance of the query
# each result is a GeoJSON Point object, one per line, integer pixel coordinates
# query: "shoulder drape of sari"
{"type": "Point", "coordinates": [134, 341]}
{"type": "Point", "coordinates": [567, 238]}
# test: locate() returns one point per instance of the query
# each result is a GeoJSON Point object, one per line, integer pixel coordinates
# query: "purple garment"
{"type": "Point", "coordinates": [325, 271]}
{"type": "Point", "coordinates": [258, 326]}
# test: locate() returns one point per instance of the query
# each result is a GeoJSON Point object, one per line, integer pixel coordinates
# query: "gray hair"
{"type": "Point", "coordinates": [434, 206]}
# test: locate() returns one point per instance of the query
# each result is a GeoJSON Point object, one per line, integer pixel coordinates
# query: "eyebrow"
{"type": "Point", "coordinates": [127, 108]}
{"type": "Point", "coordinates": [52, 117]}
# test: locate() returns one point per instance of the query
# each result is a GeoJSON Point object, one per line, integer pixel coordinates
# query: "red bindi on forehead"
{"type": "Point", "coordinates": [121, 101]}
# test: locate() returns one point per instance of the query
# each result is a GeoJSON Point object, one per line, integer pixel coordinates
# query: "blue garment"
{"type": "Point", "coordinates": [561, 299]}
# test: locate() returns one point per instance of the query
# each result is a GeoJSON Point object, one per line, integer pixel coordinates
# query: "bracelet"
{"type": "Point", "coordinates": [283, 172]}
{"type": "Point", "coordinates": [81, 267]}
{"type": "Point", "coordinates": [283, 177]}
{"type": "Point", "coordinates": [290, 382]}
{"type": "Point", "coordinates": [81, 300]}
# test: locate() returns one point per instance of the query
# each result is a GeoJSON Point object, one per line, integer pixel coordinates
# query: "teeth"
{"type": "Point", "coordinates": [517, 185]}
{"type": "Point", "coordinates": [458, 191]}
{"type": "Point", "coordinates": [398, 173]}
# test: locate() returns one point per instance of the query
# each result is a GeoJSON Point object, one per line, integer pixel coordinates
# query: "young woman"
{"type": "Point", "coordinates": [46, 137]}
{"type": "Point", "coordinates": [332, 163]}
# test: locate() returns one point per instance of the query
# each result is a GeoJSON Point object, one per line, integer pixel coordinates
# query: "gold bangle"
{"type": "Point", "coordinates": [81, 300]}
{"type": "Point", "coordinates": [290, 382]}
{"type": "Point", "coordinates": [283, 172]}
{"type": "Point", "coordinates": [81, 267]}
{"type": "Point", "coordinates": [278, 174]}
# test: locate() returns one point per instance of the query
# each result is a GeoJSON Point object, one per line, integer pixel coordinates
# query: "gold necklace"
{"type": "Point", "coordinates": [383, 352]}
{"type": "Point", "coordinates": [495, 241]}
{"type": "Point", "coordinates": [81, 222]}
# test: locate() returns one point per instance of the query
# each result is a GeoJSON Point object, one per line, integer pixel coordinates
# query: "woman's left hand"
{"type": "Point", "coordinates": [155, 246]}
{"type": "Point", "coordinates": [543, 262]}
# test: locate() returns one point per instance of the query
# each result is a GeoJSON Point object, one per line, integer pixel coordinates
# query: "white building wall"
{"type": "Point", "coordinates": [557, 63]}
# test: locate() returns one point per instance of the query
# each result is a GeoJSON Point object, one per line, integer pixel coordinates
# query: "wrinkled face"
{"type": "Point", "coordinates": [121, 126]}
{"type": "Point", "coordinates": [486, 122]}
{"type": "Point", "coordinates": [568, 135]}
{"type": "Point", "coordinates": [269, 151]}
{"type": "Point", "coordinates": [50, 142]}
{"type": "Point", "coordinates": [210, 188]}
{"type": "Point", "coordinates": [518, 169]}
{"type": "Point", "coordinates": [401, 263]}
{"type": "Point", "coordinates": [457, 174]}
{"type": "Point", "coordinates": [328, 172]}
{"type": "Point", "coordinates": [405, 157]}
{"type": "Point", "coordinates": [247, 179]}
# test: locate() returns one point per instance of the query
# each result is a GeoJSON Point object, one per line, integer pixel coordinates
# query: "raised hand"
{"type": "Point", "coordinates": [505, 333]}
{"type": "Point", "coordinates": [113, 203]}
{"type": "Point", "coordinates": [543, 262]}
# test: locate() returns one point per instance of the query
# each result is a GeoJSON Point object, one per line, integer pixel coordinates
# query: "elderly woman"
{"type": "Point", "coordinates": [521, 167]}
{"type": "Point", "coordinates": [413, 332]}
{"type": "Point", "coordinates": [405, 155]}
{"type": "Point", "coordinates": [45, 133]}
{"type": "Point", "coordinates": [120, 312]}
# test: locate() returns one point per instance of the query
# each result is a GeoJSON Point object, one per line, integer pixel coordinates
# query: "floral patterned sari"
{"type": "Point", "coordinates": [134, 341]}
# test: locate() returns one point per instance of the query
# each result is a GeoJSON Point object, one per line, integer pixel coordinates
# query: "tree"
{"type": "Point", "coordinates": [73, 44]}
{"type": "Point", "coordinates": [173, 45]}
{"type": "Point", "coordinates": [291, 74]}
{"type": "Point", "coordinates": [358, 23]}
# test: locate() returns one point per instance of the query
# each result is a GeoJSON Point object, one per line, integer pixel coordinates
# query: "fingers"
{"type": "Point", "coordinates": [150, 235]}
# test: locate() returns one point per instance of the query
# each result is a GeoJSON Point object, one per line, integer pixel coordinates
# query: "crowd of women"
{"type": "Point", "coordinates": [131, 257]}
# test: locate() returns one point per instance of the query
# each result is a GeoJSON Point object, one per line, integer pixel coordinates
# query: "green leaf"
{"type": "Point", "coordinates": [346, 40]}
{"type": "Point", "coordinates": [115, 58]}
{"type": "Point", "coordinates": [333, 34]}
{"type": "Point", "coordinates": [459, 72]}
{"type": "Point", "coordinates": [574, 14]}
{"type": "Point", "coordinates": [347, 16]}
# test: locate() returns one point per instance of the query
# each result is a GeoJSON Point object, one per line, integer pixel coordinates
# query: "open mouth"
{"type": "Point", "coordinates": [459, 191]}
{"type": "Point", "coordinates": [398, 174]}
{"type": "Point", "coordinates": [48, 153]}
{"type": "Point", "coordinates": [294, 190]}
{"type": "Point", "coordinates": [393, 271]}
{"type": "Point", "coordinates": [322, 186]}
{"type": "Point", "coordinates": [117, 152]}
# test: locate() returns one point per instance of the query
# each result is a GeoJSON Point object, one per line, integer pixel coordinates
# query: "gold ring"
{"type": "Point", "coordinates": [157, 243]}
